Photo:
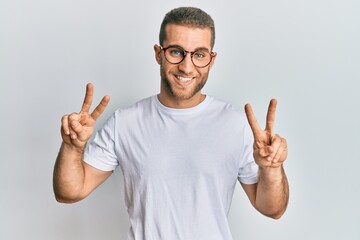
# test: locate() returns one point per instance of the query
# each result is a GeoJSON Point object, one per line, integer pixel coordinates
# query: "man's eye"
{"type": "Point", "coordinates": [175, 52]}
{"type": "Point", "coordinates": [199, 55]}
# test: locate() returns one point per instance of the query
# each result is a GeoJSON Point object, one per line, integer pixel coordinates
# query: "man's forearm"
{"type": "Point", "coordinates": [272, 192]}
{"type": "Point", "coordinates": [68, 178]}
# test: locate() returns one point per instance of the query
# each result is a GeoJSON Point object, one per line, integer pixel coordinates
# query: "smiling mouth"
{"type": "Point", "coordinates": [184, 79]}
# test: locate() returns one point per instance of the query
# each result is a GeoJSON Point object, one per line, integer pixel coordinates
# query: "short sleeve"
{"type": "Point", "coordinates": [249, 170]}
{"type": "Point", "coordinates": [100, 152]}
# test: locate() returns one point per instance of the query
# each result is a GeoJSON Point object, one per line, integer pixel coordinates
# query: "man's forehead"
{"type": "Point", "coordinates": [188, 35]}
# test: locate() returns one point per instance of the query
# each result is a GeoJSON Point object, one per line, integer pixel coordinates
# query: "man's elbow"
{"type": "Point", "coordinates": [274, 210]}
{"type": "Point", "coordinates": [67, 198]}
{"type": "Point", "coordinates": [276, 215]}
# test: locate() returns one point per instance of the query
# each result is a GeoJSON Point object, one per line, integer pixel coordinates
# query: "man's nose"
{"type": "Point", "coordinates": [186, 64]}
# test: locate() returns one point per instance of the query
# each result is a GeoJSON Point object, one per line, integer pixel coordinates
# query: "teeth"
{"type": "Point", "coordinates": [184, 79]}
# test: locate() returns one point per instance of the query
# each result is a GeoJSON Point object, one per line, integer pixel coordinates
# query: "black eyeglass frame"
{"type": "Point", "coordinates": [212, 54]}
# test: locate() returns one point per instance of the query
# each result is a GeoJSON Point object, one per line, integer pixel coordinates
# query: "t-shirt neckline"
{"type": "Point", "coordinates": [182, 111]}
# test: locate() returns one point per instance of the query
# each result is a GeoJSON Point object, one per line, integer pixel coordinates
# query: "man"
{"type": "Point", "coordinates": [181, 152]}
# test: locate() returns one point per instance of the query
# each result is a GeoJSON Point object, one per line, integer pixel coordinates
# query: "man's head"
{"type": "Point", "coordinates": [188, 16]}
{"type": "Point", "coordinates": [185, 56]}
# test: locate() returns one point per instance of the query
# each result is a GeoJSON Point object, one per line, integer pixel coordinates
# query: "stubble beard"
{"type": "Point", "coordinates": [178, 93]}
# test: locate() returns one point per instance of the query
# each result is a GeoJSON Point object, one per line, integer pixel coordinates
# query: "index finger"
{"type": "Point", "coordinates": [252, 120]}
{"type": "Point", "coordinates": [88, 98]}
{"type": "Point", "coordinates": [270, 117]}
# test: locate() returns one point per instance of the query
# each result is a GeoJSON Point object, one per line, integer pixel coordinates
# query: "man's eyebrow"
{"type": "Point", "coordinates": [196, 49]}
{"type": "Point", "coordinates": [202, 48]}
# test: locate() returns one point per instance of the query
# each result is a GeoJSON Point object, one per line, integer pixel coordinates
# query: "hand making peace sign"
{"type": "Point", "coordinates": [270, 150]}
{"type": "Point", "coordinates": [76, 128]}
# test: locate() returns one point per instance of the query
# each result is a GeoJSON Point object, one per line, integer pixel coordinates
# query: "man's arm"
{"type": "Point", "coordinates": [271, 194]}
{"type": "Point", "coordinates": [73, 179]}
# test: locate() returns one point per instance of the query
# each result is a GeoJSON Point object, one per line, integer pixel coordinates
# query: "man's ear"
{"type": "Point", "coordinates": [157, 51]}
{"type": "Point", "coordinates": [213, 60]}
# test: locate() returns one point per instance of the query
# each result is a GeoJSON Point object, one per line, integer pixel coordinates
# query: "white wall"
{"type": "Point", "coordinates": [304, 53]}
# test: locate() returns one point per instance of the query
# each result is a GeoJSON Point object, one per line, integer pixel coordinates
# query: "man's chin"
{"type": "Point", "coordinates": [182, 93]}
{"type": "Point", "coordinates": [182, 96]}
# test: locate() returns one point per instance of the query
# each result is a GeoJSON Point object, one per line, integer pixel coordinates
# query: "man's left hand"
{"type": "Point", "coordinates": [270, 149]}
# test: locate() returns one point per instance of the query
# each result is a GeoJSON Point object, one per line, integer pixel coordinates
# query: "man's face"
{"type": "Point", "coordinates": [181, 83]}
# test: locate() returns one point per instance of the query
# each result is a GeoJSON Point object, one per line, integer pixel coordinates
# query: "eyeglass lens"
{"type": "Point", "coordinates": [175, 55]}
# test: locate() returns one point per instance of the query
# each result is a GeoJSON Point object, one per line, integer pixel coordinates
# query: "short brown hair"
{"type": "Point", "coordinates": [188, 16]}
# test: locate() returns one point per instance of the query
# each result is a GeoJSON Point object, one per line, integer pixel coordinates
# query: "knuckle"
{"type": "Point", "coordinates": [73, 116]}
{"type": "Point", "coordinates": [263, 153]}
{"type": "Point", "coordinates": [64, 118]}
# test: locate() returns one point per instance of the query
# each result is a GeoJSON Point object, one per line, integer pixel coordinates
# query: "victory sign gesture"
{"type": "Point", "coordinates": [76, 128]}
{"type": "Point", "coordinates": [73, 180]}
{"type": "Point", "coordinates": [270, 150]}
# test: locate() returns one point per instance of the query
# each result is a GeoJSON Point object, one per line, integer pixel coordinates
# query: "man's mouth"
{"type": "Point", "coordinates": [183, 79]}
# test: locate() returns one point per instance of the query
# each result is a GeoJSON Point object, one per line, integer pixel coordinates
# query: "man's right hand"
{"type": "Point", "coordinates": [73, 179]}
{"type": "Point", "coordinates": [76, 128]}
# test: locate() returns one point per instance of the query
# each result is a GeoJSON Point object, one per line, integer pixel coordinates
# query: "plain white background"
{"type": "Point", "coordinates": [304, 53]}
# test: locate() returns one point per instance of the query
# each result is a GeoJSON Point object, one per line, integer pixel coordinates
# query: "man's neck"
{"type": "Point", "coordinates": [173, 102]}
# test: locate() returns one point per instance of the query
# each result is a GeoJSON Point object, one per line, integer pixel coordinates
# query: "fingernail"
{"type": "Point", "coordinates": [269, 159]}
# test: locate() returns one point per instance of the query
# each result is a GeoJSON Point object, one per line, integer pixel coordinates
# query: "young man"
{"type": "Point", "coordinates": [181, 152]}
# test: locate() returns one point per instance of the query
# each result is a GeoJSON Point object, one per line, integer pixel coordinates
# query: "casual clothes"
{"type": "Point", "coordinates": [180, 166]}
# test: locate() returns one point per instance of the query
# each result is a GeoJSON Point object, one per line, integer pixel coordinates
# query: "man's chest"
{"type": "Point", "coordinates": [182, 150]}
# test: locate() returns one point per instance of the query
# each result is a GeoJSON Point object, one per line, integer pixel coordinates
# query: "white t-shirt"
{"type": "Point", "coordinates": [180, 166]}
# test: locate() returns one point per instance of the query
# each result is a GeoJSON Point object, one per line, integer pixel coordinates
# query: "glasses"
{"type": "Point", "coordinates": [200, 58]}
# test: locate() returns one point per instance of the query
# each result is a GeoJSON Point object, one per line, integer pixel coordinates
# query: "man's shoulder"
{"type": "Point", "coordinates": [225, 107]}
{"type": "Point", "coordinates": [136, 107]}
{"type": "Point", "coordinates": [231, 117]}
